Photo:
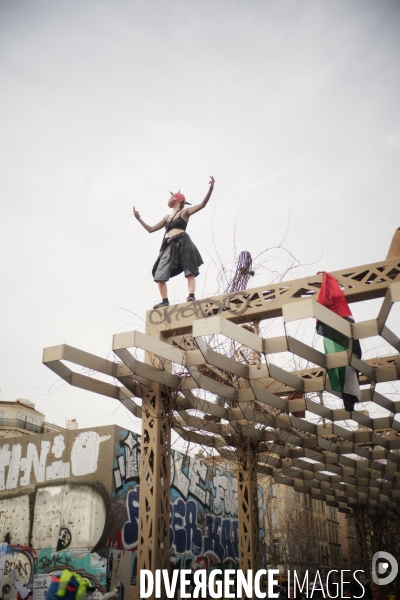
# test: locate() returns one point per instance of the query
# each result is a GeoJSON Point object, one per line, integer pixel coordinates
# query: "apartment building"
{"type": "Point", "coordinates": [20, 417]}
{"type": "Point", "coordinates": [303, 533]}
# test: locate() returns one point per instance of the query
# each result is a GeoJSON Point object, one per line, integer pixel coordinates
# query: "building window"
{"type": "Point", "coordinates": [273, 490]}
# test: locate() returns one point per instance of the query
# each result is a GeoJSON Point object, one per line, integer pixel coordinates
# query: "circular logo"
{"type": "Point", "coordinates": [382, 568]}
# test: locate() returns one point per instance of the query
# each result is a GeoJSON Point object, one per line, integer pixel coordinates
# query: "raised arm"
{"type": "Point", "coordinates": [194, 209]}
{"type": "Point", "coordinates": [148, 228]}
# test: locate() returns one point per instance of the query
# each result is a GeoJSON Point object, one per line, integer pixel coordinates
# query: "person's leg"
{"type": "Point", "coordinates": [191, 279]}
{"type": "Point", "coordinates": [161, 276]}
{"type": "Point", "coordinates": [162, 288]}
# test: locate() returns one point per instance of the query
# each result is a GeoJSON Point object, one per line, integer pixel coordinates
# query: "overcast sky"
{"type": "Point", "coordinates": [293, 106]}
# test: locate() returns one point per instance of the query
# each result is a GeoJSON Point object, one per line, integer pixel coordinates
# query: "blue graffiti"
{"type": "Point", "coordinates": [222, 537]}
{"type": "Point", "coordinates": [130, 529]}
{"type": "Point", "coordinates": [185, 534]}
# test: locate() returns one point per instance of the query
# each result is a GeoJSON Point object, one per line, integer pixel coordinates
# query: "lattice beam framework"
{"type": "Point", "coordinates": [359, 283]}
{"type": "Point", "coordinates": [249, 553]}
{"type": "Point", "coordinates": [154, 497]}
{"type": "Point", "coordinates": [263, 404]}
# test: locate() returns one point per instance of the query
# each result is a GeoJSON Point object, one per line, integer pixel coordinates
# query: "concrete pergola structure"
{"type": "Point", "coordinates": [258, 426]}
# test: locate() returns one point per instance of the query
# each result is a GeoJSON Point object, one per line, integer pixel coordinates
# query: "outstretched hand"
{"type": "Point", "coordinates": [212, 181]}
{"type": "Point", "coordinates": [136, 213]}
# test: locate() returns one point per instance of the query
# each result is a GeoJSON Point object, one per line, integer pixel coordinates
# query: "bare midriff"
{"type": "Point", "coordinates": [174, 232]}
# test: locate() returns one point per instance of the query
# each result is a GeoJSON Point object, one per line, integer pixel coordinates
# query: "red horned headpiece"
{"type": "Point", "coordinates": [178, 197]}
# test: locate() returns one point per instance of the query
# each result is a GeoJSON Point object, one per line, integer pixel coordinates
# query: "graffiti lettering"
{"type": "Point", "coordinates": [198, 476]}
{"type": "Point", "coordinates": [22, 568]}
{"type": "Point", "coordinates": [35, 462]}
{"type": "Point", "coordinates": [88, 564]}
{"type": "Point", "coordinates": [47, 563]}
{"type": "Point", "coordinates": [130, 529]}
{"type": "Point", "coordinates": [132, 456]}
{"type": "Point", "coordinates": [19, 567]}
{"type": "Point", "coordinates": [64, 539]}
{"type": "Point", "coordinates": [186, 536]}
{"type": "Point", "coordinates": [179, 479]}
{"type": "Point", "coordinates": [128, 462]}
{"type": "Point", "coordinates": [225, 500]}
{"type": "Point", "coordinates": [85, 452]}
{"type": "Point", "coordinates": [222, 538]}
{"type": "Point", "coordinates": [236, 303]}
{"type": "Point", "coordinates": [214, 488]}
{"type": "Point", "coordinates": [84, 459]}
{"type": "Point", "coordinates": [184, 533]}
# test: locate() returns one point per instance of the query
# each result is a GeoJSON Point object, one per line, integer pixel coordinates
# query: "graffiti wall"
{"type": "Point", "coordinates": [204, 524]}
{"type": "Point", "coordinates": [22, 563]}
{"type": "Point", "coordinates": [54, 505]}
{"type": "Point", "coordinates": [71, 500]}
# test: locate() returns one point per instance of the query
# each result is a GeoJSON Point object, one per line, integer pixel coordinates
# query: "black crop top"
{"type": "Point", "coordinates": [177, 223]}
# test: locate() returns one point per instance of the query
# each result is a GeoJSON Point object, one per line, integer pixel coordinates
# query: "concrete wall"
{"type": "Point", "coordinates": [71, 499]}
{"type": "Point", "coordinates": [55, 494]}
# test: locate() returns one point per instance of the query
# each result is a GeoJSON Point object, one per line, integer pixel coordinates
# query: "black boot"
{"type": "Point", "coordinates": [164, 302]}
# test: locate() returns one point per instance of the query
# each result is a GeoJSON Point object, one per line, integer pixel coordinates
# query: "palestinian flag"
{"type": "Point", "coordinates": [342, 379]}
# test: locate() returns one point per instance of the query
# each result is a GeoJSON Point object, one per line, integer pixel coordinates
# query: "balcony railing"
{"type": "Point", "coordinates": [20, 424]}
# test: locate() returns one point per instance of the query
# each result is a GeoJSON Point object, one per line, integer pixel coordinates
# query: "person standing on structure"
{"type": "Point", "coordinates": [177, 253]}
